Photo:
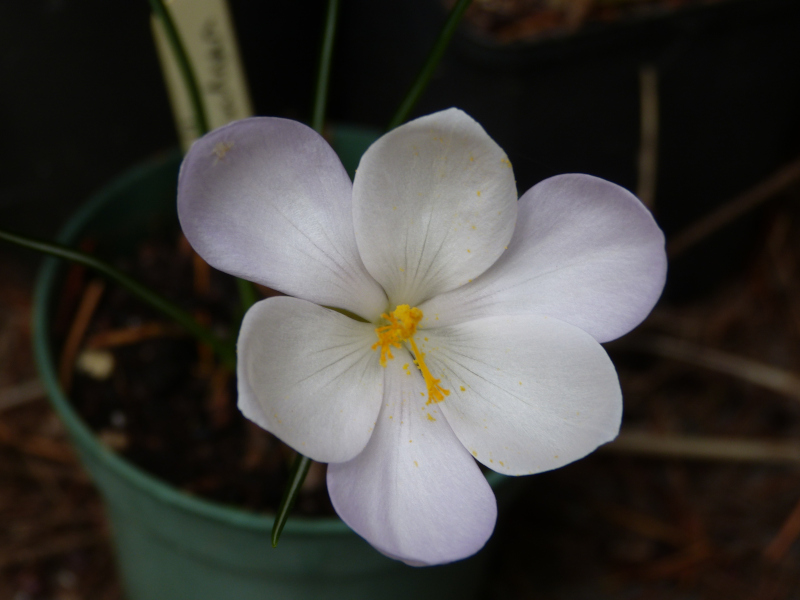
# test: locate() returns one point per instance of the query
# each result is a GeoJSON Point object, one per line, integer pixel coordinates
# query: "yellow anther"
{"type": "Point", "coordinates": [436, 393]}
{"type": "Point", "coordinates": [402, 326]}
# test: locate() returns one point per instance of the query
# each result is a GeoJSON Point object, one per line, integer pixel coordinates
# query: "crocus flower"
{"type": "Point", "coordinates": [468, 322]}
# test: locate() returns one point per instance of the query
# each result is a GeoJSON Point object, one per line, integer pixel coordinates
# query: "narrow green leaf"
{"type": "Point", "coordinates": [224, 350]}
{"type": "Point", "coordinates": [247, 293]}
{"type": "Point", "coordinates": [323, 75]}
{"type": "Point", "coordinates": [184, 64]}
{"type": "Point", "coordinates": [419, 85]}
{"type": "Point", "coordinates": [296, 479]}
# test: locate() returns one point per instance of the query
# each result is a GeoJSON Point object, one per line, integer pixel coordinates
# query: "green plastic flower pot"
{"type": "Point", "coordinates": [174, 546]}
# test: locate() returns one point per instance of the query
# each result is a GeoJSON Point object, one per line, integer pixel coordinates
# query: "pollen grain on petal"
{"type": "Point", "coordinates": [221, 149]}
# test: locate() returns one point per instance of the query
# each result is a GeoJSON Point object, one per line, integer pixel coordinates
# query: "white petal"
{"type": "Point", "coordinates": [308, 375]}
{"type": "Point", "coordinates": [414, 492]}
{"type": "Point", "coordinates": [268, 200]}
{"type": "Point", "coordinates": [527, 394]}
{"type": "Point", "coordinates": [434, 203]}
{"type": "Point", "coordinates": [585, 251]}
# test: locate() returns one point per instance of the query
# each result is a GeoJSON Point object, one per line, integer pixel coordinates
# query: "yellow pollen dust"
{"type": "Point", "coordinates": [221, 149]}
{"type": "Point", "coordinates": [402, 326]}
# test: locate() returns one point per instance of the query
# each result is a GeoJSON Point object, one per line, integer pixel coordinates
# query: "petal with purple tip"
{"type": "Point", "coordinates": [268, 200]}
{"type": "Point", "coordinates": [584, 250]}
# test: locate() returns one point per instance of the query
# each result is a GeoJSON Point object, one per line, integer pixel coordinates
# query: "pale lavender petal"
{"type": "Point", "coordinates": [268, 200]}
{"type": "Point", "coordinates": [414, 492]}
{"type": "Point", "coordinates": [585, 251]}
{"type": "Point", "coordinates": [528, 393]}
{"type": "Point", "coordinates": [308, 375]}
{"type": "Point", "coordinates": [434, 203]}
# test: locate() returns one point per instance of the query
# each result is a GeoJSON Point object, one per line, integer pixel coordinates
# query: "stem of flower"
{"type": "Point", "coordinates": [224, 350]}
{"type": "Point", "coordinates": [323, 76]}
{"type": "Point", "coordinates": [431, 63]}
{"type": "Point", "coordinates": [296, 479]}
{"type": "Point", "coordinates": [302, 463]}
{"type": "Point", "coordinates": [247, 294]}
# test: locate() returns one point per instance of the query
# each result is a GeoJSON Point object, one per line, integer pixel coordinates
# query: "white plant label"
{"type": "Point", "coordinates": [206, 31]}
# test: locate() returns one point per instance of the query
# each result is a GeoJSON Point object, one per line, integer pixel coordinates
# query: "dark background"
{"type": "Point", "coordinates": [83, 99]}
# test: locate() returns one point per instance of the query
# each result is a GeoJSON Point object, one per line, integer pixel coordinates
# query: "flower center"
{"type": "Point", "coordinates": [402, 326]}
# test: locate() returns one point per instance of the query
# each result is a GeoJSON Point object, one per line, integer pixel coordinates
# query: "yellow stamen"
{"type": "Point", "coordinates": [436, 393]}
{"type": "Point", "coordinates": [401, 328]}
{"type": "Point", "coordinates": [402, 325]}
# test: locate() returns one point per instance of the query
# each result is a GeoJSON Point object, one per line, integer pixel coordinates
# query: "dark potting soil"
{"type": "Point", "coordinates": [165, 404]}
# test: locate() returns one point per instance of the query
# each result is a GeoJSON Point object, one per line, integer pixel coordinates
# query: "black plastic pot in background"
{"type": "Point", "coordinates": [85, 98]}
{"type": "Point", "coordinates": [729, 92]}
